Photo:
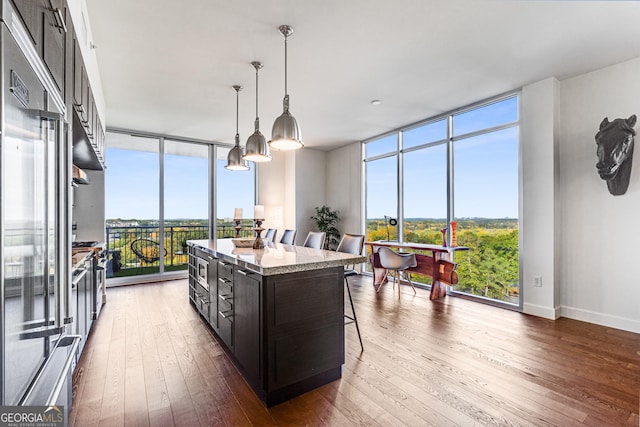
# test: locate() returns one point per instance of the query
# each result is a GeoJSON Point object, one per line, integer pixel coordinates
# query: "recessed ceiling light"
{"type": "Point", "coordinates": [376, 102]}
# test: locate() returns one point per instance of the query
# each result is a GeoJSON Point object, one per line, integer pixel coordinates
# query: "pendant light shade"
{"type": "Point", "coordinates": [257, 149]}
{"type": "Point", "coordinates": [285, 134]}
{"type": "Point", "coordinates": [235, 162]}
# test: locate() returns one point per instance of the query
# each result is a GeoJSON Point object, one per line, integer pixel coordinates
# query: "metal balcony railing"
{"type": "Point", "coordinates": [124, 262]}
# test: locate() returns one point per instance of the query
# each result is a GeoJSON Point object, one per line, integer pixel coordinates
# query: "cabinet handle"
{"type": "Point", "coordinates": [225, 314]}
{"type": "Point", "coordinates": [225, 297]}
{"type": "Point", "coordinates": [223, 280]}
{"type": "Point", "coordinates": [222, 263]}
{"type": "Point", "coordinates": [57, 13]}
{"type": "Point", "coordinates": [244, 273]}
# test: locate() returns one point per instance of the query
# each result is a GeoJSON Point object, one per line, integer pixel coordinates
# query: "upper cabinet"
{"type": "Point", "coordinates": [54, 34]}
{"type": "Point", "coordinates": [45, 23]}
{"type": "Point", "coordinates": [51, 29]}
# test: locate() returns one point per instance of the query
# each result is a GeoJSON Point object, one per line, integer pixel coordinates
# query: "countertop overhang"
{"type": "Point", "coordinates": [276, 258]}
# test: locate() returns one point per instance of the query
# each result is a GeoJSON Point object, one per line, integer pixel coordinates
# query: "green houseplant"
{"type": "Point", "coordinates": [326, 220]}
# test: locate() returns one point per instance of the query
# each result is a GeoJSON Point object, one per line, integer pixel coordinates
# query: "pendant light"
{"type": "Point", "coordinates": [235, 162]}
{"type": "Point", "coordinates": [285, 134]}
{"type": "Point", "coordinates": [257, 149]}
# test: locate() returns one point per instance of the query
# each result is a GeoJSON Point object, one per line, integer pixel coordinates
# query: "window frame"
{"type": "Point", "coordinates": [449, 141]}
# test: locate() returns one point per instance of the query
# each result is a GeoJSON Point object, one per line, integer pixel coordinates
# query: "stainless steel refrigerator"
{"type": "Point", "coordinates": [37, 355]}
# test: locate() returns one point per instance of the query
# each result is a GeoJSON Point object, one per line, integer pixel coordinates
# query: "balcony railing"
{"type": "Point", "coordinates": [123, 261]}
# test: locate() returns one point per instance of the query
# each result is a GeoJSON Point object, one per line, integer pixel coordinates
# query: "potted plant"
{"type": "Point", "coordinates": [326, 220]}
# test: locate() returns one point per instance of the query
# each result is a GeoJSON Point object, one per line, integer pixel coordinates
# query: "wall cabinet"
{"type": "Point", "coordinates": [54, 34]}
{"type": "Point", "coordinates": [45, 23]}
{"type": "Point", "coordinates": [49, 26]}
{"type": "Point", "coordinates": [31, 13]}
{"type": "Point", "coordinates": [84, 106]}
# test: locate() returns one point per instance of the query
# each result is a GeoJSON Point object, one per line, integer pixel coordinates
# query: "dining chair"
{"type": "Point", "coordinates": [288, 237]}
{"type": "Point", "coordinates": [271, 234]}
{"type": "Point", "coordinates": [396, 262]}
{"type": "Point", "coordinates": [351, 244]}
{"type": "Point", "coordinates": [315, 239]}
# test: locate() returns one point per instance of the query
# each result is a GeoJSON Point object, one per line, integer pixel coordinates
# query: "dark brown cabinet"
{"type": "Point", "coordinates": [31, 13]}
{"type": "Point", "coordinates": [284, 332]}
{"type": "Point", "coordinates": [226, 304]}
{"type": "Point", "coordinates": [45, 21]}
{"type": "Point", "coordinates": [54, 34]}
{"type": "Point", "coordinates": [84, 104]}
{"type": "Point", "coordinates": [247, 322]}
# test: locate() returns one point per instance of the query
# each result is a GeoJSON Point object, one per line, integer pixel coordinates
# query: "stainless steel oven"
{"type": "Point", "coordinates": [202, 268]}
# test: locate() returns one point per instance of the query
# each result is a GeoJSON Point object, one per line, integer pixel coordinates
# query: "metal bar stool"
{"type": "Point", "coordinates": [397, 262]}
{"type": "Point", "coordinates": [351, 244]}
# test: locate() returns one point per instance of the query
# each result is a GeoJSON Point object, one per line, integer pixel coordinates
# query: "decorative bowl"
{"type": "Point", "coordinates": [243, 243]}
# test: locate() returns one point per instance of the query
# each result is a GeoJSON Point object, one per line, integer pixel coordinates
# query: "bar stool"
{"type": "Point", "coordinates": [396, 262]}
{"type": "Point", "coordinates": [351, 244]}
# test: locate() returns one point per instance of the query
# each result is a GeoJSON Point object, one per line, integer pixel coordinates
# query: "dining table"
{"type": "Point", "coordinates": [437, 263]}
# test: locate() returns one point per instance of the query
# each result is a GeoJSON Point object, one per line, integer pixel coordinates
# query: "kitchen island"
{"type": "Point", "coordinates": [277, 311]}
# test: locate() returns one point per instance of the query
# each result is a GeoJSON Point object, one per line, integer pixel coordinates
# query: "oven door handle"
{"type": "Point", "coordinates": [74, 282]}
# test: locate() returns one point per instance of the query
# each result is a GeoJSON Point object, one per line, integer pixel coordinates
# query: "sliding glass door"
{"type": "Point", "coordinates": [132, 201]}
{"type": "Point", "coordinates": [186, 199]}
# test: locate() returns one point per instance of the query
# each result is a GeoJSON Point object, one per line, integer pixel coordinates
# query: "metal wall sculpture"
{"type": "Point", "coordinates": [615, 153]}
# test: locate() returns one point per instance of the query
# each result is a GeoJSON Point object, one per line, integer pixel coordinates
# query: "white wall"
{"type": "Point", "coordinates": [344, 183]}
{"type": "Point", "coordinates": [600, 281]}
{"type": "Point", "coordinates": [310, 182]}
{"type": "Point", "coordinates": [296, 182]}
{"type": "Point", "coordinates": [540, 218]}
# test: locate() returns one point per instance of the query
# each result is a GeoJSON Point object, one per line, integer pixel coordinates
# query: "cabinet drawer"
{"type": "Point", "coordinates": [202, 300]}
{"type": "Point", "coordinates": [225, 270]}
{"type": "Point", "coordinates": [225, 287]}
{"type": "Point", "coordinates": [225, 306]}
{"type": "Point", "coordinates": [225, 330]}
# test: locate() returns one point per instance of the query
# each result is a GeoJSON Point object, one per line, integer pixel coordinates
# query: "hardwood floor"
{"type": "Point", "coordinates": [151, 360]}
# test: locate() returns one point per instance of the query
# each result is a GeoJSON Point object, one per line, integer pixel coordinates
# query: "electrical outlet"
{"type": "Point", "coordinates": [537, 281]}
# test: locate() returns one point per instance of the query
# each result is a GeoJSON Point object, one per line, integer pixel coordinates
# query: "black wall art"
{"type": "Point", "coordinates": [614, 143]}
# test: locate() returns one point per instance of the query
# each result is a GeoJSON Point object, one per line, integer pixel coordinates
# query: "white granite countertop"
{"type": "Point", "coordinates": [276, 258]}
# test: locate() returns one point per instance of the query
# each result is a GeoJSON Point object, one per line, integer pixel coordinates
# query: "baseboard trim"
{"type": "Point", "coordinates": [617, 322]}
{"type": "Point", "coordinates": [540, 311]}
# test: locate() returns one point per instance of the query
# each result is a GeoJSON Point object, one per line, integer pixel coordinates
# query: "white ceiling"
{"type": "Point", "coordinates": [168, 66]}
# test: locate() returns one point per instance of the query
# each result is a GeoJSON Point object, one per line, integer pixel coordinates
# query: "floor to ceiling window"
{"type": "Point", "coordinates": [159, 193]}
{"type": "Point", "coordinates": [462, 167]}
{"type": "Point", "coordinates": [382, 188]}
{"type": "Point", "coordinates": [186, 201]}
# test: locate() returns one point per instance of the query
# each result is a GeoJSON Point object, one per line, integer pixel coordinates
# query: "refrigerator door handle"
{"type": "Point", "coordinates": [35, 394]}
{"type": "Point", "coordinates": [74, 341]}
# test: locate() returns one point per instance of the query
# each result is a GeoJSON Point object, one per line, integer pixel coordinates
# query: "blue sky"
{"type": "Point", "coordinates": [132, 186]}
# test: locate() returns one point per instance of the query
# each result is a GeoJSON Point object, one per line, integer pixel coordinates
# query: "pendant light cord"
{"type": "Point", "coordinates": [256, 93]}
{"type": "Point", "coordinates": [285, 64]}
{"type": "Point", "coordinates": [237, 115]}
